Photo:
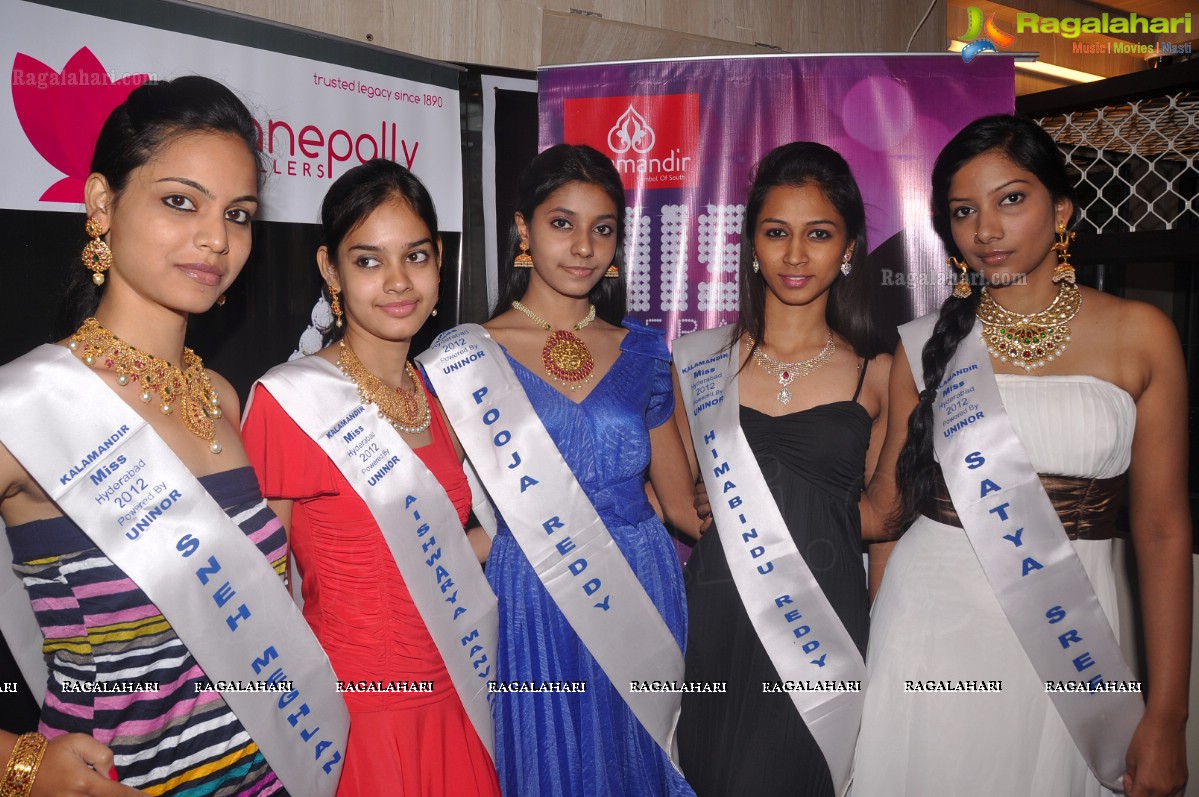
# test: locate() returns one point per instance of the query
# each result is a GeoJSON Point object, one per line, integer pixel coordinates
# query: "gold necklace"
{"type": "Point", "coordinates": [1029, 341]}
{"type": "Point", "coordinates": [565, 356]}
{"type": "Point", "coordinates": [785, 372]}
{"type": "Point", "coordinates": [189, 385]}
{"type": "Point", "coordinates": [406, 410]}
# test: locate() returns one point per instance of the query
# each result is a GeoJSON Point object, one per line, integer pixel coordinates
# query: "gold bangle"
{"type": "Point", "coordinates": [23, 765]}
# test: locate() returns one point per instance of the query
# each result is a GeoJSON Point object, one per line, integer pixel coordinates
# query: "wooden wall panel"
{"type": "Point", "coordinates": [509, 33]}
{"type": "Point", "coordinates": [570, 38]}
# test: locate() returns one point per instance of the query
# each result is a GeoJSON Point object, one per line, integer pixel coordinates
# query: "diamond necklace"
{"type": "Point", "coordinates": [786, 372]}
{"type": "Point", "coordinates": [565, 356]}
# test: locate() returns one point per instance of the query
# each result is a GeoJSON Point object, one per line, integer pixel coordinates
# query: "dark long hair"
{"type": "Point", "coordinates": [356, 194]}
{"type": "Point", "coordinates": [549, 171]}
{"type": "Point", "coordinates": [135, 132]}
{"type": "Point", "coordinates": [850, 304]}
{"type": "Point", "coordinates": [1030, 148]}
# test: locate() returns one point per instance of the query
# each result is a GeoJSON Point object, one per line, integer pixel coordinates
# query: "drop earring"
{"type": "Point", "coordinates": [524, 259]}
{"type": "Point", "coordinates": [96, 255]}
{"type": "Point", "coordinates": [962, 289]}
{"type": "Point", "coordinates": [336, 306]}
{"type": "Point", "coordinates": [1063, 271]}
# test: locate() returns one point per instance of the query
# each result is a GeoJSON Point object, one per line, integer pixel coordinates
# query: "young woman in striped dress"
{"type": "Point", "coordinates": [173, 190]}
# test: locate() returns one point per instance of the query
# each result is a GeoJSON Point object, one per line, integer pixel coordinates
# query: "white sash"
{"type": "Point", "coordinates": [1029, 561]}
{"type": "Point", "coordinates": [555, 523]}
{"type": "Point", "coordinates": [801, 632]}
{"type": "Point", "coordinates": [416, 517]}
{"type": "Point", "coordinates": [220, 595]}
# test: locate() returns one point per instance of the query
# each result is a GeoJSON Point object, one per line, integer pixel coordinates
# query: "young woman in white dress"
{"type": "Point", "coordinates": [1108, 396]}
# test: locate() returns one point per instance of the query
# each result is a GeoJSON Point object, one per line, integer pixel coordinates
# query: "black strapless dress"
{"type": "Point", "coordinates": [746, 742]}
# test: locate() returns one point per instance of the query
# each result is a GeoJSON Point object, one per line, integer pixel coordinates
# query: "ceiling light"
{"type": "Point", "coordinates": [1041, 68]}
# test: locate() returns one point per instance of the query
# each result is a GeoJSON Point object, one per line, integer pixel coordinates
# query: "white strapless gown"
{"type": "Point", "coordinates": [936, 618]}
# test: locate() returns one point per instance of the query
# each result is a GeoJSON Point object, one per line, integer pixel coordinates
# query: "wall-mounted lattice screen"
{"type": "Point", "coordinates": [1139, 162]}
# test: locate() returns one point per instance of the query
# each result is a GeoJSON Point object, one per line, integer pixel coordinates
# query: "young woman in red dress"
{"type": "Point", "coordinates": [381, 263]}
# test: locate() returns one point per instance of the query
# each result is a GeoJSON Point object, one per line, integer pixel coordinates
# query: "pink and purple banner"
{"type": "Point", "coordinates": [685, 135]}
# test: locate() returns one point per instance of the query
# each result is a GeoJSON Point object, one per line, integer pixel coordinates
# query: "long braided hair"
{"type": "Point", "coordinates": [1031, 148]}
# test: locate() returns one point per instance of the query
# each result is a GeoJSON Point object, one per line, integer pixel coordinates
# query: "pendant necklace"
{"type": "Point", "coordinates": [565, 356]}
{"type": "Point", "coordinates": [785, 372]}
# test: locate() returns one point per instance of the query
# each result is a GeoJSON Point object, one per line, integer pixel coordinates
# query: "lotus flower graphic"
{"type": "Point", "coordinates": [631, 132]}
{"type": "Point", "coordinates": [62, 113]}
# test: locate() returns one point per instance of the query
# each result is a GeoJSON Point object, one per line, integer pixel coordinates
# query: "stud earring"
{"type": "Point", "coordinates": [1063, 271]}
{"type": "Point", "coordinates": [524, 259]}
{"type": "Point", "coordinates": [962, 289]}
{"type": "Point", "coordinates": [96, 255]}
{"type": "Point", "coordinates": [336, 305]}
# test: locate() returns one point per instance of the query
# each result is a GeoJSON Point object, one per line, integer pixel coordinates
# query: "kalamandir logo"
{"type": "Point", "coordinates": [982, 37]}
{"type": "Point", "coordinates": [631, 132]}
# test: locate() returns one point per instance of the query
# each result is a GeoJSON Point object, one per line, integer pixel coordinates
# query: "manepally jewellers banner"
{"type": "Point", "coordinates": [316, 120]}
{"type": "Point", "coordinates": [685, 136]}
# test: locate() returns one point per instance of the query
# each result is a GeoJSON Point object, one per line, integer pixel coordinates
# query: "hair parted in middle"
{"type": "Point", "coordinates": [357, 194]}
{"type": "Point", "coordinates": [1026, 145]}
{"type": "Point", "coordinates": [850, 305]}
{"type": "Point", "coordinates": [552, 169]}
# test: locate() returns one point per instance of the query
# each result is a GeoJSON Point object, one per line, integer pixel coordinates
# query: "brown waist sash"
{"type": "Point", "coordinates": [1087, 507]}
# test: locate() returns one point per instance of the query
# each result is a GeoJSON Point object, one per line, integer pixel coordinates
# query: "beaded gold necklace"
{"type": "Point", "coordinates": [406, 410]}
{"type": "Point", "coordinates": [565, 356]}
{"type": "Point", "coordinates": [1034, 340]}
{"type": "Point", "coordinates": [190, 385]}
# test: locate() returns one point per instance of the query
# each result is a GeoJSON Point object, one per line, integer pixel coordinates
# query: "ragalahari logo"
{"type": "Point", "coordinates": [62, 112]}
{"type": "Point", "coordinates": [983, 37]}
{"type": "Point", "coordinates": [652, 139]}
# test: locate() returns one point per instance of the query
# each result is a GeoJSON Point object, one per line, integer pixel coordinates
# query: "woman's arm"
{"type": "Point", "coordinates": [74, 765]}
{"type": "Point", "coordinates": [879, 383]}
{"type": "Point", "coordinates": [699, 494]}
{"type": "Point", "coordinates": [881, 498]}
{"type": "Point", "coordinates": [878, 554]}
{"type": "Point", "coordinates": [671, 472]}
{"type": "Point", "coordinates": [1161, 535]}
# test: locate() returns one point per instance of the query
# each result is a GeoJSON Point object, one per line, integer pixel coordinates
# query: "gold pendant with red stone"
{"type": "Point", "coordinates": [567, 359]}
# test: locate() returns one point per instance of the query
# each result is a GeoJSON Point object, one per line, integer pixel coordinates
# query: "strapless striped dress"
{"type": "Point", "coordinates": [99, 628]}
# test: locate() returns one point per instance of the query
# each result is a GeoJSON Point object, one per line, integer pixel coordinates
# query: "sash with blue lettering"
{"type": "Point", "coordinates": [798, 627]}
{"type": "Point", "coordinates": [416, 517]}
{"type": "Point", "coordinates": [1024, 551]}
{"type": "Point", "coordinates": [220, 595]}
{"type": "Point", "coordinates": [555, 523]}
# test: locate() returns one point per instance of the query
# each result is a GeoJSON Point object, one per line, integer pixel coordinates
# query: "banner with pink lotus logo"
{"type": "Point", "coordinates": [315, 119]}
{"type": "Point", "coordinates": [685, 135]}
